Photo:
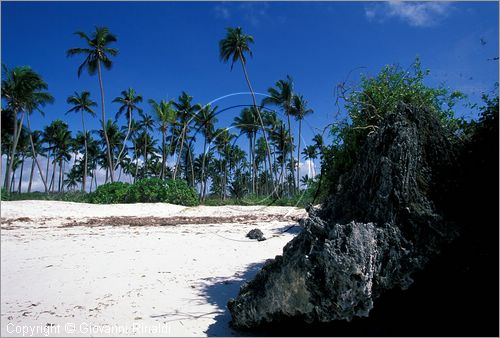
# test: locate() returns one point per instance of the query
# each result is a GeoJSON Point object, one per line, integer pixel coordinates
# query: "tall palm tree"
{"type": "Point", "coordinates": [282, 96]}
{"type": "Point", "coordinates": [36, 140]}
{"type": "Point", "coordinates": [165, 116]}
{"type": "Point", "coordinates": [128, 101]}
{"type": "Point", "coordinates": [82, 104]}
{"type": "Point", "coordinates": [299, 111]}
{"type": "Point", "coordinates": [309, 153]}
{"type": "Point", "coordinates": [185, 111]}
{"type": "Point", "coordinates": [147, 124]}
{"type": "Point", "coordinates": [234, 46]}
{"type": "Point", "coordinates": [222, 143]}
{"type": "Point", "coordinates": [23, 91]}
{"type": "Point", "coordinates": [247, 123]}
{"type": "Point", "coordinates": [206, 120]}
{"type": "Point", "coordinates": [97, 51]}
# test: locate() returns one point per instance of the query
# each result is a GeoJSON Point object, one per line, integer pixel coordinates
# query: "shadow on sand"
{"type": "Point", "coordinates": [219, 292]}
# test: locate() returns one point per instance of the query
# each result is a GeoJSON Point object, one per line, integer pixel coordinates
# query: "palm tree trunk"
{"type": "Point", "coordinates": [292, 169]}
{"type": "Point", "coordinates": [145, 158]}
{"type": "Point", "coordinates": [60, 175]}
{"type": "Point", "coordinates": [256, 108]}
{"type": "Point", "coordinates": [126, 137]}
{"type": "Point", "coordinates": [17, 134]}
{"type": "Point", "coordinates": [84, 178]}
{"type": "Point", "coordinates": [203, 183]}
{"type": "Point", "coordinates": [21, 174]}
{"type": "Point", "coordinates": [136, 162]}
{"type": "Point", "coordinates": [53, 183]}
{"type": "Point", "coordinates": [35, 158]}
{"type": "Point", "coordinates": [108, 148]}
{"type": "Point", "coordinates": [31, 176]}
{"type": "Point", "coordinates": [163, 153]}
{"type": "Point", "coordinates": [298, 152]}
{"type": "Point", "coordinates": [180, 152]}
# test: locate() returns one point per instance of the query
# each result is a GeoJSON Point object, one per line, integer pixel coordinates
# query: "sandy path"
{"type": "Point", "coordinates": [136, 280]}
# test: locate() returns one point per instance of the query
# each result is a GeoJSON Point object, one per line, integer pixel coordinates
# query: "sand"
{"type": "Point", "coordinates": [74, 269]}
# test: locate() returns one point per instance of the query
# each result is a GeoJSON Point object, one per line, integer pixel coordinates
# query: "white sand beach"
{"type": "Point", "coordinates": [131, 269]}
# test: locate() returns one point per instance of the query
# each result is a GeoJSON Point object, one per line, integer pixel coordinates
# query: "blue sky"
{"type": "Point", "coordinates": [167, 47]}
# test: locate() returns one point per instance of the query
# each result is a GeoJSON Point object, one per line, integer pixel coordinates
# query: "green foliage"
{"type": "Point", "coordinates": [116, 192]}
{"type": "Point", "coordinates": [178, 192]}
{"type": "Point", "coordinates": [147, 190]}
{"type": "Point", "coordinates": [4, 195]}
{"type": "Point", "coordinates": [370, 103]}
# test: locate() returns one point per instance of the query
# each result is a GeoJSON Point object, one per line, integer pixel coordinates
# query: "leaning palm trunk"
{"type": "Point", "coordinates": [178, 162]}
{"type": "Point", "coordinates": [164, 154]}
{"type": "Point", "coordinates": [292, 169]}
{"type": "Point", "coordinates": [21, 174]}
{"type": "Point", "coordinates": [118, 160]}
{"type": "Point", "coordinates": [31, 174]}
{"type": "Point", "coordinates": [203, 182]}
{"type": "Point", "coordinates": [298, 153]}
{"type": "Point", "coordinates": [17, 134]}
{"type": "Point", "coordinates": [35, 159]}
{"type": "Point", "coordinates": [258, 112]}
{"type": "Point", "coordinates": [84, 178]}
{"type": "Point", "coordinates": [108, 148]}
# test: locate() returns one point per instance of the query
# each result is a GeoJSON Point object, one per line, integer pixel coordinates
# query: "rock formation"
{"type": "Point", "coordinates": [384, 223]}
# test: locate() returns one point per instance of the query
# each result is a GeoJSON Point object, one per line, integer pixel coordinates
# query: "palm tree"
{"type": "Point", "coordinates": [282, 96]}
{"type": "Point", "coordinates": [206, 120]}
{"type": "Point", "coordinates": [144, 138]}
{"type": "Point", "coordinates": [36, 140]}
{"type": "Point", "coordinates": [165, 115]}
{"type": "Point", "coordinates": [128, 101]}
{"type": "Point", "coordinates": [62, 149]}
{"type": "Point", "coordinates": [247, 124]}
{"type": "Point", "coordinates": [299, 110]}
{"type": "Point", "coordinates": [97, 52]}
{"type": "Point", "coordinates": [234, 46]}
{"type": "Point", "coordinates": [222, 143]}
{"type": "Point", "coordinates": [23, 91]}
{"type": "Point", "coordinates": [185, 111]}
{"type": "Point", "coordinates": [309, 153]}
{"type": "Point", "coordinates": [82, 104]}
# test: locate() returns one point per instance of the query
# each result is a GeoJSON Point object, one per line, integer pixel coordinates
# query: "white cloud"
{"type": "Point", "coordinates": [222, 12]}
{"type": "Point", "coordinates": [417, 14]}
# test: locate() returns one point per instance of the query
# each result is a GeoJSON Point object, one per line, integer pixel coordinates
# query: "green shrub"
{"type": "Point", "coordinates": [4, 195]}
{"type": "Point", "coordinates": [179, 192]}
{"type": "Point", "coordinates": [116, 192]}
{"type": "Point", "coordinates": [147, 190]}
{"type": "Point", "coordinates": [153, 190]}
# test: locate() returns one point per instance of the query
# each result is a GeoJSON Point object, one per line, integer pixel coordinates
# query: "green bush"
{"type": "Point", "coordinates": [179, 192]}
{"type": "Point", "coordinates": [116, 192]}
{"type": "Point", "coordinates": [4, 195]}
{"type": "Point", "coordinates": [147, 190]}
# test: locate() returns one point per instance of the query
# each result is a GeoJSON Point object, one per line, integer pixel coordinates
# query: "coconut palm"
{"type": "Point", "coordinates": [299, 111]}
{"type": "Point", "coordinates": [82, 103]}
{"type": "Point", "coordinates": [23, 92]}
{"type": "Point", "coordinates": [247, 123]}
{"type": "Point", "coordinates": [310, 154]}
{"type": "Point", "coordinates": [128, 101]}
{"type": "Point", "coordinates": [234, 47]}
{"type": "Point", "coordinates": [36, 140]}
{"type": "Point", "coordinates": [222, 143]}
{"type": "Point", "coordinates": [146, 125]}
{"type": "Point", "coordinates": [206, 120]}
{"type": "Point", "coordinates": [165, 116]}
{"type": "Point", "coordinates": [282, 96]}
{"type": "Point", "coordinates": [185, 112]}
{"type": "Point", "coordinates": [97, 51]}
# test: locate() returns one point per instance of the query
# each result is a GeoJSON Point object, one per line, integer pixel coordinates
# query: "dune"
{"type": "Point", "coordinates": [75, 269]}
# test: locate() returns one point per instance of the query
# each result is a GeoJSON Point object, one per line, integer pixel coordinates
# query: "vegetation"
{"type": "Point", "coordinates": [154, 149]}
